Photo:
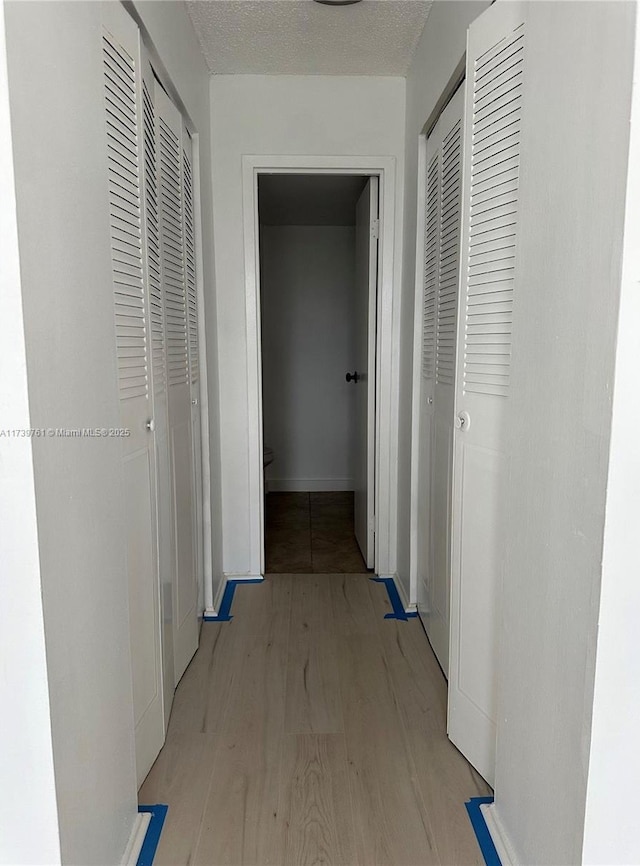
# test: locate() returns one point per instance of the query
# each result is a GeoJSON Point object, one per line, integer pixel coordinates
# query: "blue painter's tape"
{"type": "Point", "coordinates": [224, 614]}
{"type": "Point", "coordinates": [152, 837]}
{"type": "Point", "coordinates": [481, 830]}
{"type": "Point", "coordinates": [398, 611]}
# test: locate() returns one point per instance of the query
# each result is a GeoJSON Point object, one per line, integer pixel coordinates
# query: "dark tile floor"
{"type": "Point", "coordinates": [311, 533]}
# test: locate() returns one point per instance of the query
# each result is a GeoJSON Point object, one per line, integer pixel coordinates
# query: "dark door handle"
{"type": "Point", "coordinates": [353, 377]}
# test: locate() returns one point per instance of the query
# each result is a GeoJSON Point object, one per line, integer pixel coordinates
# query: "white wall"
{"type": "Point", "coordinates": [438, 53]}
{"type": "Point", "coordinates": [611, 819]}
{"type": "Point", "coordinates": [26, 754]}
{"type": "Point", "coordinates": [171, 32]}
{"type": "Point", "coordinates": [308, 338]}
{"type": "Point", "coordinates": [573, 169]}
{"type": "Point", "coordinates": [313, 115]}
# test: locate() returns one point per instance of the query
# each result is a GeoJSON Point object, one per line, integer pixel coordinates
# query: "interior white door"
{"type": "Point", "coordinates": [159, 379]}
{"type": "Point", "coordinates": [365, 360]}
{"type": "Point", "coordinates": [439, 314]}
{"type": "Point", "coordinates": [194, 357]}
{"type": "Point", "coordinates": [495, 53]}
{"type": "Point", "coordinates": [124, 126]}
{"type": "Point", "coordinates": [174, 289]}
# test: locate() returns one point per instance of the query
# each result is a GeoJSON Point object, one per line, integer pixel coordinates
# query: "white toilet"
{"type": "Point", "coordinates": [266, 461]}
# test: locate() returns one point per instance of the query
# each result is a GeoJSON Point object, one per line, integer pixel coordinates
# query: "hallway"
{"type": "Point", "coordinates": [311, 730]}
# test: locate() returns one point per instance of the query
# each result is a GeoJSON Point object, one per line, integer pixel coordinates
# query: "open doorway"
{"type": "Point", "coordinates": [318, 264]}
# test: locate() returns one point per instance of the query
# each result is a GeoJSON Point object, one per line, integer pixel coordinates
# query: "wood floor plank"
{"type": "Point", "coordinates": [312, 602]}
{"type": "Point", "coordinates": [201, 697]}
{"type": "Point", "coordinates": [256, 702]}
{"type": "Point", "coordinates": [416, 674]}
{"type": "Point", "coordinates": [352, 607]}
{"type": "Point", "coordinates": [313, 702]}
{"type": "Point", "coordinates": [181, 777]}
{"type": "Point", "coordinates": [240, 815]}
{"type": "Point", "coordinates": [447, 781]}
{"type": "Point", "coordinates": [262, 608]}
{"type": "Point", "coordinates": [315, 815]}
{"type": "Point", "coordinates": [240, 823]}
{"type": "Point", "coordinates": [392, 826]}
{"type": "Point", "coordinates": [445, 778]}
{"type": "Point", "coordinates": [379, 599]}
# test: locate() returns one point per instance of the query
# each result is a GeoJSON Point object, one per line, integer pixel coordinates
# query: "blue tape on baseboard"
{"type": "Point", "coordinates": [152, 836]}
{"type": "Point", "coordinates": [481, 830]}
{"type": "Point", "coordinates": [224, 614]}
{"type": "Point", "coordinates": [396, 604]}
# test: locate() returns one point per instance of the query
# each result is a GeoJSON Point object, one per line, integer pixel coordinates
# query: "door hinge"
{"type": "Point", "coordinates": [375, 229]}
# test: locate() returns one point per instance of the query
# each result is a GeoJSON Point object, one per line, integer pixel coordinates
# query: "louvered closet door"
{"type": "Point", "coordinates": [442, 269]}
{"type": "Point", "coordinates": [495, 56]}
{"type": "Point", "coordinates": [194, 357]}
{"type": "Point", "coordinates": [427, 312]}
{"type": "Point", "coordinates": [164, 513]}
{"type": "Point", "coordinates": [133, 332]}
{"type": "Point", "coordinates": [173, 260]}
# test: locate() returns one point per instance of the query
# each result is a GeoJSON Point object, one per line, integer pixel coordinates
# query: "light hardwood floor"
{"type": "Point", "coordinates": [310, 730]}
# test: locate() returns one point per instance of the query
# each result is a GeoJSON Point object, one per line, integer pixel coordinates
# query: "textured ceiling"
{"type": "Point", "coordinates": [308, 199]}
{"type": "Point", "coordinates": [301, 37]}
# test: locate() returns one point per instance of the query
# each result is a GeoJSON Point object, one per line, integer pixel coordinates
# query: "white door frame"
{"type": "Point", "coordinates": [386, 387]}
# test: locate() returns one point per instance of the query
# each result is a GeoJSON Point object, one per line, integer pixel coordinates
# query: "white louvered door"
{"type": "Point", "coordinates": [427, 311]}
{"type": "Point", "coordinates": [440, 304]}
{"type": "Point", "coordinates": [174, 279]}
{"type": "Point", "coordinates": [495, 56]}
{"type": "Point", "coordinates": [194, 357]}
{"type": "Point", "coordinates": [121, 52]}
{"type": "Point", "coordinates": [164, 513]}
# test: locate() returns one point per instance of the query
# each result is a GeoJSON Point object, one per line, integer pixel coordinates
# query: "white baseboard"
{"type": "Point", "coordinates": [407, 607]}
{"type": "Point", "coordinates": [136, 839]}
{"type": "Point", "coordinates": [240, 577]}
{"type": "Point", "coordinates": [306, 485]}
{"type": "Point", "coordinates": [498, 835]}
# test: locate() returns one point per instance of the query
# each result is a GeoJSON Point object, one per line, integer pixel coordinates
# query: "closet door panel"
{"type": "Point", "coordinates": [159, 380]}
{"type": "Point", "coordinates": [174, 289]}
{"type": "Point", "coordinates": [194, 347]}
{"type": "Point", "coordinates": [495, 67]}
{"type": "Point", "coordinates": [442, 268]}
{"type": "Point", "coordinates": [427, 374]}
{"type": "Point", "coordinates": [125, 171]}
{"type": "Point", "coordinates": [450, 137]}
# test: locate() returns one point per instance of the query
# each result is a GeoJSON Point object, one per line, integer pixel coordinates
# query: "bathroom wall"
{"type": "Point", "coordinates": [308, 316]}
